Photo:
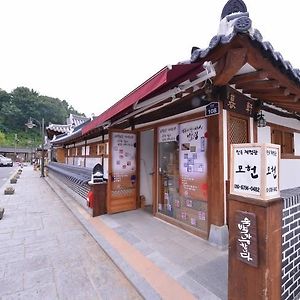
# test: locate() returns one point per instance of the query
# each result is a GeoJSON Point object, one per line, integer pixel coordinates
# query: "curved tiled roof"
{"type": "Point", "coordinates": [238, 22]}
{"type": "Point", "coordinates": [59, 128]}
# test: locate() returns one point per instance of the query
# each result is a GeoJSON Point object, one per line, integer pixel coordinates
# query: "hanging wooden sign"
{"type": "Point", "coordinates": [239, 103]}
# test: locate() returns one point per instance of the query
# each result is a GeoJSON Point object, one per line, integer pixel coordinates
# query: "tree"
{"type": "Point", "coordinates": [2, 138]}
{"type": "Point", "coordinates": [22, 103]}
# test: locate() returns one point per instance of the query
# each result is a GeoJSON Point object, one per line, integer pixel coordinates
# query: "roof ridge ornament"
{"type": "Point", "coordinates": [233, 6]}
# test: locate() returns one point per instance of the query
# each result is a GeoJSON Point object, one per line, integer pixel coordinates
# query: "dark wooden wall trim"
{"type": "Point", "coordinates": [215, 169]}
{"type": "Point", "coordinates": [283, 128]}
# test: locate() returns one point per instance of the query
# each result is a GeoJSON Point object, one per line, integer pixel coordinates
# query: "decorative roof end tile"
{"type": "Point", "coordinates": [233, 6]}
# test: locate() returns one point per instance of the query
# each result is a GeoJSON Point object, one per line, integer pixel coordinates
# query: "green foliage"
{"type": "Point", "coordinates": [21, 104]}
{"type": "Point", "coordinates": [2, 138]}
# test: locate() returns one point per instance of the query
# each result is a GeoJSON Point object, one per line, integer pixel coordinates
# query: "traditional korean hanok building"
{"type": "Point", "coordinates": [169, 139]}
{"type": "Point", "coordinates": [73, 122]}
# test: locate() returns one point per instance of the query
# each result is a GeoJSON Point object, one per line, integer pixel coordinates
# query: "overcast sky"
{"type": "Point", "coordinates": [94, 52]}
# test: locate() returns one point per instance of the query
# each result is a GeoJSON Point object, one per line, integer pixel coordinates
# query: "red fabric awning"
{"type": "Point", "coordinates": [166, 78]}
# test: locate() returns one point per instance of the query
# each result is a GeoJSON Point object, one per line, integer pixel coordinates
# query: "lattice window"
{"type": "Point", "coordinates": [93, 150]}
{"type": "Point", "coordinates": [283, 137]}
{"type": "Point", "coordinates": [237, 130]}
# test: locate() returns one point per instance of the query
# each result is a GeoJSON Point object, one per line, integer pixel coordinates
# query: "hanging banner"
{"type": "Point", "coordinates": [193, 160]}
{"type": "Point", "coordinates": [123, 160]}
{"type": "Point", "coordinates": [168, 133]}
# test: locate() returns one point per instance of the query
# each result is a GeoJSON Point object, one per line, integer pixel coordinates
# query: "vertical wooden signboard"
{"type": "Point", "coordinates": [122, 179]}
{"type": "Point", "coordinates": [246, 238]}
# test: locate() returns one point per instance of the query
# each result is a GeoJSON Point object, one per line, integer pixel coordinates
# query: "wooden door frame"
{"type": "Point", "coordinates": [110, 132]}
{"type": "Point", "coordinates": [154, 166]}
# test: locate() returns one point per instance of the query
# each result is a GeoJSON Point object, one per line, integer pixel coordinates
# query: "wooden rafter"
{"type": "Point", "coordinates": [230, 65]}
{"type": "Point", "coordinates": [248, 77]}
{"type": "Point", "coordinates": [260, 85]}
{"type": "Point", "coordinates": [257, 61]}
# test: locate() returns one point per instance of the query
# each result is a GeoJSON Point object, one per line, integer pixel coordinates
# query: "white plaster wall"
{"type": "Point", "coordinates": [287, 122]}
{"type": "Point", "coordinates": [289, 168]}
{"type": "Point", "coordinates": [146, 164]}
{"type": "Point", "coordinates": [289, 173]}
{"type": "Point", "coordinates": [251, 124]}
{"type": "Point", "coordinates": [297, 143]}
{"type": "Point", "coordinates": [92, 161]}
{"type": "Point", "coordinates": [264, 134]}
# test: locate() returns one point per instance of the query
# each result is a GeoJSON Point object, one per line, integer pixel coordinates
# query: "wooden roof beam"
{"type": "Point", "coordinates": [248, 77]}
{"type": "Point", "coordinates": [261, 85]}
{"type": "Point", "coordinates": [292, 99]}
{"type": "Point", "coordinates": [280, 92]}
{"type": "Point", "coordinates": [259, 62]}
{"type": "Point", "coordinates": [229, 65]}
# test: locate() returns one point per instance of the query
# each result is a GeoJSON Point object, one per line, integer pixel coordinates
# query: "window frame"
{"type": "Point", "coordinates": [284, 130]}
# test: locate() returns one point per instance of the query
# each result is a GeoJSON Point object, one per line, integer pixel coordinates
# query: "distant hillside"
{"type": "Point", "coordinates": [21, 104]}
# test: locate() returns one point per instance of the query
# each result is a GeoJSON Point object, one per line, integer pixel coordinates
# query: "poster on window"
{"type": "Point", "coordinates": [193, 159]}
{"type": "Point", "coordinates": [123, 160]}
{"type": "Point", "coordinates": [168, 133]}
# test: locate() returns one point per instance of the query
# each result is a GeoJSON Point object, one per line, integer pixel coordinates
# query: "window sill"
{"type": "Point", "coordinates": [289, 156]}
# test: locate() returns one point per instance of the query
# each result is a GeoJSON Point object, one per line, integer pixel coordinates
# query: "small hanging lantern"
{"type": "Point", "coordinates": [260, 119]}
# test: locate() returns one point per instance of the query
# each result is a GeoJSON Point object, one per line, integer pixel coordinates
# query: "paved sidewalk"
{"type": "Point", "coordinates": [161, 260]}
{"type": "Point", "coordinates": [46, 253]}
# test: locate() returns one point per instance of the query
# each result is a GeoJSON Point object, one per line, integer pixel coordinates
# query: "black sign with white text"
{"type": "Point", "coordinates": [212, 109]}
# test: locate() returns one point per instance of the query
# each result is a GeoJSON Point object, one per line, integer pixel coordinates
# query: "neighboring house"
{"type": "Point", "coordinates": [162, 141]}
{"type": "Point", "coordinates": [54, 130]}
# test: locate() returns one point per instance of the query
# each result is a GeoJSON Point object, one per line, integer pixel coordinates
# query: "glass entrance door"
{"type": "Point", "coordinates": [168, 177]}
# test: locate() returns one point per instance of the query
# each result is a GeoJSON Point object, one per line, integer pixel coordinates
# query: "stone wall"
{"type": "Point", "coordinates": [290, 288]}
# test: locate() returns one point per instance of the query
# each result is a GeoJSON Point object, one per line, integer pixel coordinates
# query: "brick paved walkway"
{"type": "Point", "coordinates": [45, 253]}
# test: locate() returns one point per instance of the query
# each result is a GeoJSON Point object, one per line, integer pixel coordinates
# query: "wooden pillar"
{"type": "Point", "coordinates": [215, 169]}
{"type": "Point", "coordinates": [85, 144]}
{"type": "Point", "coordinates": [262, 281]}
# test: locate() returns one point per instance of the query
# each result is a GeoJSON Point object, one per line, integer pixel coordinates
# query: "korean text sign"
{"type": "Point", "coordinates": [255, 170]}
{"type": "Point", "coordinates": [246, 237]}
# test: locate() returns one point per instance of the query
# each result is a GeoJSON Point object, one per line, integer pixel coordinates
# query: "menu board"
{"type": "Point", "coordinates": [193, 160]}
{"type": "Point", "coordinates": [123, 161]}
